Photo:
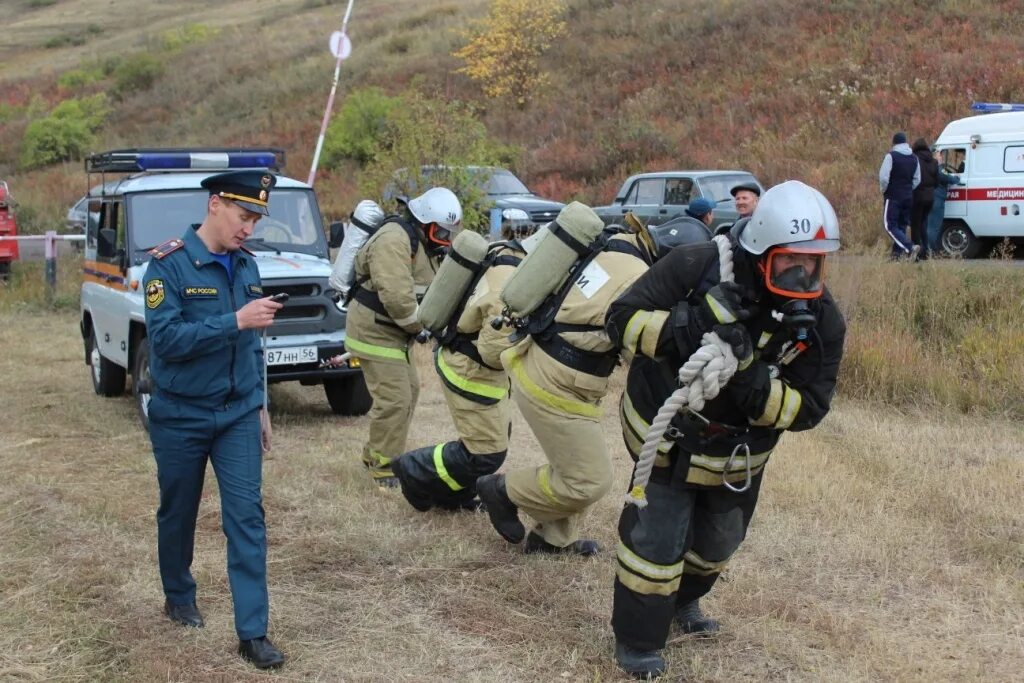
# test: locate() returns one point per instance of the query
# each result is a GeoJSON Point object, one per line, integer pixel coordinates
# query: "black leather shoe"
{"type": "Point", "coordinates": [261, 652]}
{"type": "Point", "coordinates": [692, 620]}
{"type": "Point", "coordinates": [643, 664]}
{"type": "Point", "coordinates": [186, 615]}
{"type": "Point", "coordinates": [503, 512]}
{"type": "Point", "coordinates": [420, 502]}
{"type": "Point", "coordinates": [535, 543]}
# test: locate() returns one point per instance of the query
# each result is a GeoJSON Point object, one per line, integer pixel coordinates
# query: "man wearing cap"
{"type": "Point", "coordinates": [899, 174]}
{"type": "Point", "coordinates": [204, 308]}
{"type": "Point", "coordinates": [393, 270]}
{"type": "Point", "coordinates": [701, 209]}
{"type": "Point", "coordinates": [746, 195]}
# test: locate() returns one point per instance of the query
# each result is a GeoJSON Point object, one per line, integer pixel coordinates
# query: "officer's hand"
{"type": "Point", "coordinates": [737, 336]}
{"type": "Point", "coordinates": [724, 304]}
{"type": "Point", "coordinates": [257, 314]}
{"type": "Point", "coordinates": [266, 431]}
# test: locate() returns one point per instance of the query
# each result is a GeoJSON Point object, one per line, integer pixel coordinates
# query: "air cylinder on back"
{"type": "Point", "coordinates": [547, 265]}
{"type": "Point", "coordinates": [448, 288]}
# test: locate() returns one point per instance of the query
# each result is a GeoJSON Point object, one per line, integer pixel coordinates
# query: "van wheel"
{"type": "Point", "coordinates": [142, 382]}
{"type": "Point", "coordinates": [107, 377]}
{"type": "Point", "coordinates": [958, 241]}
{"type": "Point", "coordinates": [348, 395]}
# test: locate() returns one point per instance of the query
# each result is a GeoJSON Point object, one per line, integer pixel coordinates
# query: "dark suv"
{"type": "Point", "coordinates": [658, 197]}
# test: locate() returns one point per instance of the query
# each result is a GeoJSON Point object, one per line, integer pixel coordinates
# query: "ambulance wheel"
{"type": "Point", "coordinates": [142, 386]}
{"type": "Point", "coordinates": [958, 241]}
{"type": "Point", "coordinates": [348, 395]}
{"type": "Point", "coordinates": [107, 378]}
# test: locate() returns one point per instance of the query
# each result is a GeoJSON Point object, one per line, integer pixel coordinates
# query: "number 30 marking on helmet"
{"type": "Point", "coordinates": [801, 225]}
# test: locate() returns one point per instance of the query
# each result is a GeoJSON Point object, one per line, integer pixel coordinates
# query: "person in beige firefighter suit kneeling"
{"type": "Point", "coordinates": [467, 360]}
{"type": "Point", "coordinates": [559, 374]}
{"type": "Point", "coordinates": [393, 269]}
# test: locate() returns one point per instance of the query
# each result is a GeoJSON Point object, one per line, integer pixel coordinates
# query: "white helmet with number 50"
{"type": "Point", "coordinates": [795, 215]}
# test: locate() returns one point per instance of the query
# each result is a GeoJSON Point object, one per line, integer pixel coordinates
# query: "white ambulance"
{"type": "Point", "coordinates": [987, 152]}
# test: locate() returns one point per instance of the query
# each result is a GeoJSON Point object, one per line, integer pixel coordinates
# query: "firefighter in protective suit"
{"type": "Point", "coordinates": [787, 335]}
{"type": "Point", "coordinates": [393, 270]}
{"type": "Point", "coordinates": [559, 377]}
{"type": "Point", "coordinates": [476, 389]}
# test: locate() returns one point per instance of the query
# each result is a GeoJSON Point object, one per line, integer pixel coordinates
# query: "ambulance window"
{"type": "Point", "coordinates": [1013, 159]}
{"type": "Point", "coordinates": [954, 159]}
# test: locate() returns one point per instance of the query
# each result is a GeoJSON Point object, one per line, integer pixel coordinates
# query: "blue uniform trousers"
{"type": "Point", "coordinates": [184, 438]}
{"type": "Point", "coordinates": [897, 219]}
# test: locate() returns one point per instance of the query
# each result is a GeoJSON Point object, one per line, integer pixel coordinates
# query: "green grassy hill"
{"type": "Point", "coordinates": [784, 88]}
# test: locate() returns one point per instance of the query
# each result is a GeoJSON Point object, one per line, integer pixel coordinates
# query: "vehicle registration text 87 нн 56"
{"type": "Point", "coordinates": [291, 355]}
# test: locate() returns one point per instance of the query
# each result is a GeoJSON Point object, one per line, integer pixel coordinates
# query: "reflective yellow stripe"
{"type": "Point", "coordinates": [635, 445]}
{"type": "Point", "coordinates": [544, 481]}
{"type": "Point", "coordinates": [639, 425]}
{"type": "Point", "coordinates": [643, 586]}
{"type": "Point", "coordinates": [771, 406]}
{"type": "Point", "coordinates": [633, 330]}
{"type": "Point", "coordinates": [485, 390]}
{"type": "Point", "coordinates": [442, 471]}
{"type": "Point", "coordinates": [696, 475]}
{"type": "Point", "coordinates": [564, 404]}
{"type": "Point", "coordinates": [652, 330]}
{"type": "Point", "coordinates": [722, 314]}
{"type": "Point", "coordinates": [375, 350]}
{"type": "Point", "coordinates": [717, 463]}
{"type": "Point", "coordinates": [790, 407]}
{"type": "Point", "coordinates": [664, 572]}
{"type": "Point", "coordinates": [695, 564]}
{"type": "Point", "coordinates": [379, 459]}
{"type": "Point", "coordinates": [763, 341]}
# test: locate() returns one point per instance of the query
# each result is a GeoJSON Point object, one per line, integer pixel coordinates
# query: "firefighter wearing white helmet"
{"type": "Point", "coordinates": [787, 334]}
{"type": "Point", "coordinates": [393, 270]}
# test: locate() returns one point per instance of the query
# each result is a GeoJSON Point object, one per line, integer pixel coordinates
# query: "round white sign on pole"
{"type": "Point", "coordinates": [341, 46]}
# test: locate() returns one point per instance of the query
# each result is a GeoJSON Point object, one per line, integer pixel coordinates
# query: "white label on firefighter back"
{"type": "Point", "coordinates": [593, 278]}
{"type": "Point", "coordinates": [292, 355]}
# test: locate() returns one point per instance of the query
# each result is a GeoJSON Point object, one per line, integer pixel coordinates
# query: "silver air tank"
{"type": "Point", "coordinates": [453, 278]}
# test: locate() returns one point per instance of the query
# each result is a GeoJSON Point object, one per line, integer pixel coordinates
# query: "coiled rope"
{"type": "Point", "coordinates": [701, 378]}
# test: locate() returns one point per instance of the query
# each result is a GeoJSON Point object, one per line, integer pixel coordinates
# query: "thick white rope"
{"type": "Point", "coordinates": [701, 378]}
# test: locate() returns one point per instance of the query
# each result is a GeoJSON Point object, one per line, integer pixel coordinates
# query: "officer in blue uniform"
{"type": "Point", "coordinates": [204, 309]}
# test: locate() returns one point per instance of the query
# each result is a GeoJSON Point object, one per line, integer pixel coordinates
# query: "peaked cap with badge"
{"type": "Point", "coordinates": [248, 189]}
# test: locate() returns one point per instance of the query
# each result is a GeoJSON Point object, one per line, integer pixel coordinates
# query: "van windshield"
{"type": "Point", "coordinates": [293, 224]}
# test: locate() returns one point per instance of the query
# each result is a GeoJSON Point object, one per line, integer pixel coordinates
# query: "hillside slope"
{"type": "Point", "coordinates": [787, 89]}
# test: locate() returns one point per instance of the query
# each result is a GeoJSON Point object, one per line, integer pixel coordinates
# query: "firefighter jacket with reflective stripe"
{"type": "Point", "coordinates": [388, 273]}
{"type": "Point", "coordinates": [558, 386]}
{"type": "Point", "coordinates": [462, 373]}
{"type": "Point", "coordinates": [656, 323]}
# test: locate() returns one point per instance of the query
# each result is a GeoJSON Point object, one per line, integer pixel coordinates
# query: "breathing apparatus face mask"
{"type": "Point", "coordinates": [440, 237]}
{"type": "Point", "coordinates": [794, 277]}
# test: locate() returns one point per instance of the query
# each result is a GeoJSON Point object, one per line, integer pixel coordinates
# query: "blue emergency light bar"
{"type": "Point", "coordinates": [996, 106]}
{"type": "Point", "coordinates": [205, 159]}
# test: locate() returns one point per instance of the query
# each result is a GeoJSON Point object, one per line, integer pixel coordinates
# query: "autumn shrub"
{"type": "Point", "coordinates": [136, 73]}
{"type": "Point", "coordinates": [357, 131]}
{"type": "Point", "coordinates": [66, 133]}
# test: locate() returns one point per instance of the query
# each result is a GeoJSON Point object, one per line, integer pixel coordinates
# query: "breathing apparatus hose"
{"type": "Point", "coordinates": [701, 378]}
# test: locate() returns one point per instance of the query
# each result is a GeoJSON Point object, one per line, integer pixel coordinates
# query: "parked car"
{"type": "Point", "coordinates": [501, 187]}
{"type": "Point", "coordinates": [659, 197]}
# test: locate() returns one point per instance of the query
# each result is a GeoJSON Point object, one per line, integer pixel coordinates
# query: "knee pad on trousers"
{"type": "Point", "coordinates": [446, 474]}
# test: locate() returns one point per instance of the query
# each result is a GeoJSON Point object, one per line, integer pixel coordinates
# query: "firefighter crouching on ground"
{"type": "Point", "coordinates": [475, 387]}
{"type": "Point", "coordinates": [559, 376]}
{"type": "Point", "coordinates": [393, 269]}
{"type": "Point", "coordinates": [699, 504]}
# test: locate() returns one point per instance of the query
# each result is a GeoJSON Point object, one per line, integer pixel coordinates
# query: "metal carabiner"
{"type": "Point", "coordinates": [728, 466]}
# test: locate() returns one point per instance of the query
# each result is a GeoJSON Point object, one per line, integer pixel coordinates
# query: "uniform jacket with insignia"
{"type": "Point", "coordinates": [197, 353]}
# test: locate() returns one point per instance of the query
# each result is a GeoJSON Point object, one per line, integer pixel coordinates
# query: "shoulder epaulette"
{"type": "Point", "coordinates": [166, 248]}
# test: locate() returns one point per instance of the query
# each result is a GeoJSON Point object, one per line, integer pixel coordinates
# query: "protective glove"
{"type": "Point", "coordinates": [723, 304]}
{"type": "Point", "coordinates": [737, 336]}
{"type": "Point", "coordinates": [749, 388]}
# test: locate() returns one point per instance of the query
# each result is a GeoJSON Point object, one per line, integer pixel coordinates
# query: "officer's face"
{"type": "Point", "coordinates": [745, 202]}
{"type": "Point", "coordinates": [234, 223]}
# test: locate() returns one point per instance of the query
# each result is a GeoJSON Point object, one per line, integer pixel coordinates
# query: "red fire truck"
{"type": "Point", "coordinates": [8, 228]}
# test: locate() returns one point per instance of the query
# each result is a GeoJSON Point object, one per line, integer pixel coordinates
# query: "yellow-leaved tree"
{"type": "Point", "coordinates": [504, 49]}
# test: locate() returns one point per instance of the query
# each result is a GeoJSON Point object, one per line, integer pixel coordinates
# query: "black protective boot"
{"type": "Point", "coordinates": [642, 664]}
{"type": "Point", "coordinates": [503, 512]}
{"type": "Point", "coordinates": [186, 615]}
{"type": "Point", "coordinates": [262, 653]}
{"type": "Point", "coordinates": [408, 486]}
{"type": "Point", "coordinates": [692, 620]}
{"type": "Point", "coordinates": [535, 543]}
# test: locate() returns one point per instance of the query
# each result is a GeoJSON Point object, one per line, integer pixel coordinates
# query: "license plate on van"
{"type": "Point", "coordinates": [292, 355]}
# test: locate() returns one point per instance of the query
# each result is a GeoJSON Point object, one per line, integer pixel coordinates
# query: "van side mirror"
{"type": "Point", "coordinates": [337, 229]}
{"type": "Point", "coordinates": [105, 245]}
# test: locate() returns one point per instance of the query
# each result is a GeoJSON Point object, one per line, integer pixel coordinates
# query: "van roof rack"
{"type": "Point", "coordinates": [184, 159]}
{"type": "Point", "coordinates": [988, 107]}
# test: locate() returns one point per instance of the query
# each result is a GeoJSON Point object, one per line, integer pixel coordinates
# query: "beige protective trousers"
{"type": "Point", "coordinates": [395, 388]}
{"type": "Point", "coordinates": [578, 472]}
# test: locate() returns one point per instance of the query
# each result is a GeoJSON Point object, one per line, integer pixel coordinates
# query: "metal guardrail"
{"type": "Point", "coordinates": [50, 239]}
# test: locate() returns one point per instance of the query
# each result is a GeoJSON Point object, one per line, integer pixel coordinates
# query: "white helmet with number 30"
{"type": "Point", "coordinates": [796, 225]}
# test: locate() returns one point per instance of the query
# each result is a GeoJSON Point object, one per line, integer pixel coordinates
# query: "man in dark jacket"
{"type": "Point", "coordinates": [938, 212]}
{"type": "Point", "coordinates": [898, 176]}
{"type": "Point", "coordinates": [707, 474]}
{"type": "Point", "coordinates": [924, 195]}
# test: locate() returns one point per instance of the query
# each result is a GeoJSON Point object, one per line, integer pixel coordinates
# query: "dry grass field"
{"type": "Point", "coordinates": [889, 546]}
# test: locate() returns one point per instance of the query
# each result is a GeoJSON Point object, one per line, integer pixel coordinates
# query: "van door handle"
{"type": "Point", "coordinates": [663, 211]}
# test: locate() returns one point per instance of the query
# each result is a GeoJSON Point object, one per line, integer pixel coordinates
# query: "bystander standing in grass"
{"type": "Point", "coordinates": [898, 176]}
